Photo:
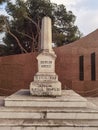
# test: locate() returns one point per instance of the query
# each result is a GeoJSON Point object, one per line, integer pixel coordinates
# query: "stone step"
{"type": "Point", "coordinates": [68, 99]}
{"type": "Point", "coordinates": [22, 111]}
{"type": "Point", "coordinates": [49, 123]}
{"type": "Point", "coordinates": [47, 109]}
{"type": "Point", "coordinates": [47, 128]}
{"type": "Point", "coordinates": [29, 113]}
{"type": "Point", "coordinates": [21, 103]}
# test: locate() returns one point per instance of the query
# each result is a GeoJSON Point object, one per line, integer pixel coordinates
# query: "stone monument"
{"type": "Point", "coordinates": [46, 80]}
{"type": "Point", "coordinates": [70, 111]}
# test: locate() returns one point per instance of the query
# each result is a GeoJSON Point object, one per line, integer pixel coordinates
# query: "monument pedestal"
{"type": "Point", "coordinates": [46, 80]}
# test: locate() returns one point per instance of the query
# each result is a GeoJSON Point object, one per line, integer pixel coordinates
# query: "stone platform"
{"type": "Point", "coordinates": [68, 99]}
{"type": "Point", "coordinates": [21, 111]}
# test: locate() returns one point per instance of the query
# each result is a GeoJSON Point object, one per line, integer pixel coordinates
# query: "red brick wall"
{"type": "Point", "coordinates": [16, 72]}
{"type": "Point", "coordinates": [85, 47]}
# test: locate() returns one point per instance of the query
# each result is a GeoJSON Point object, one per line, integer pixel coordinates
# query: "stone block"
{"type": "Point", "coordinates": [45, 88]}
{"type": "Point", "coordinates": [46, 63]}
{"type": "Point", "coordinates": [44, 128]}
{"type": "Point", "coordinates": [73, 115]}
{"type": "Point", "coordinates": [90, 128]}
{"type": "Point", "coordinates": [29, 128]}
{"type": "Point", "coordinates": [5, 128]}
{"type": "Point", "coordinates": [20, 115]}
{"type": "Point", "coordinates": [16, 128]}
{"type": "Point", "coordinates": [60, 128]}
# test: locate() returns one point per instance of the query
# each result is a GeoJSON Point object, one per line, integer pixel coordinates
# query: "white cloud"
{"type": "Point", "coordinates": [70, 4]}
{"type": "Point", "coordinates": [87, 20]}
{"type": "Point", "coordinates": [15, 1]}
{"type": "Point", "coordinates": [66, 2]}
{"type": "Point", "coordinates": [86, 14]}
{"type": "Point", "coordinates": [3, 12]}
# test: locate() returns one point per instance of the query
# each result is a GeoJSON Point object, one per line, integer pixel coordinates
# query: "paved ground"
{"type": "Point", "coordinates": [93, 99]}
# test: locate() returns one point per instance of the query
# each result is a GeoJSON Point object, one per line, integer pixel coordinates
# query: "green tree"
{"type": "Point", "coordinates": [23, 25]}
{"type": "Point", "coordinates": [64, 30]}
{"type": "Point", "coordinates": [2, 1]}
{"type": "Point", "coordinates": [3, 48]}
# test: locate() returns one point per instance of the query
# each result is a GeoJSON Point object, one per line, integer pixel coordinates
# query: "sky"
{"type": "Point", "coordinates": [86, 12]}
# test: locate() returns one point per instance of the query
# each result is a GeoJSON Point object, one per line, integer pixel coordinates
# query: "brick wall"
{"type": "Point", "coordinates": [16, 72]}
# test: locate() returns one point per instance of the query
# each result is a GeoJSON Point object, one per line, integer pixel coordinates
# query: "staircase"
{"type": "Point", "coordinates": [21, 111]}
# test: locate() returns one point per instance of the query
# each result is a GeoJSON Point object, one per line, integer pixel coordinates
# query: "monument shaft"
{"type": "Point", "coordinates": [46, 80]}
{"type": "Point", "coordinates": [46, 31]}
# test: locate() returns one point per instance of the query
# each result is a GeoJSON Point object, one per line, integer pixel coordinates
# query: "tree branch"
{"type": "Point", "coordinates": [38, 31]}
{"type": "Point", "coordinates": [24, 34]}
{"type": "Point", "coordinates": [8, 31]}
{"type": "Point", "coordinates": [17, 41]}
